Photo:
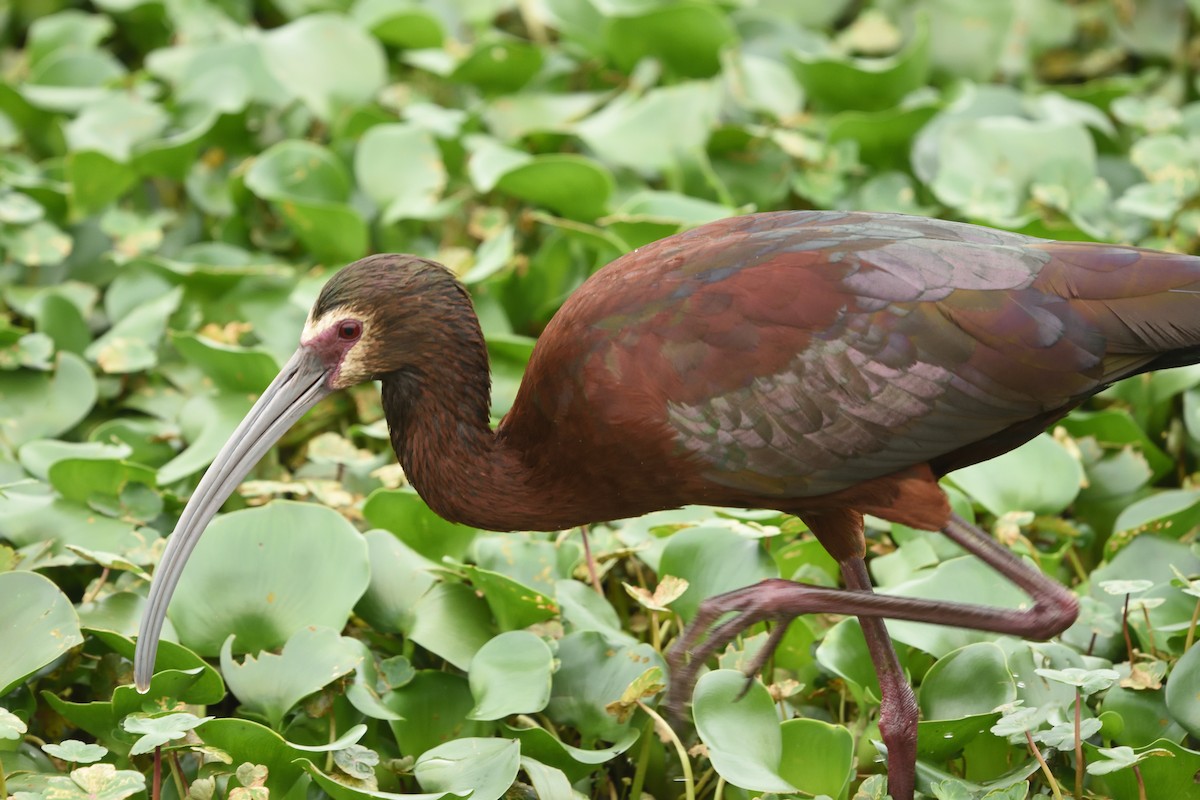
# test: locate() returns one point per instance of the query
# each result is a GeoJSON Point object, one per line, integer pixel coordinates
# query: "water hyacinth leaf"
{"type": "Point", "coordinates": [575, 762]}
{"type": "Point", "coordinates": [37, 625]}
{"type": "Point", "coordinates": [1183, 691]}
{"type": "Point", "coordinates": [485, 768]}
{"type": "Point", "coordinates": [688, 37]}
{"type": "Point", "coordinates": [514, 605]}
{"type": "Point", "coordinates": [865, 84]}
{"type": "Point", "coordinates": [399, 577]}
{"type": "Point", "coordinates": [79, 479]}
{"type": "Point", "coordinates": [1040, 476]}
{"type": "Point", "coordinates": [400, 168]}
{"type": "Point", "coordinates": [37, 457]}
{"type": "Point", "coordinates": [37, 405]}
{"type": "Point", "coordinates": [942, 739]}
{"type": "Point", "coordinates": [1170, 513]}
{"type": "Point", "coordinates": [208, 422]}
{"type": "Point", "coordinates": [499, 64]}
{"type": "Point", "coordinates": [41, 244]}
{"type": "Point", "coordinates": [271, 685]}
{"type": "Point", "coordinates": [570, 185]}
{"type": "Point", "coordinates": [68, 81]}
{"type": "Point", "coordinates": [204, 688]}
{"type": "Point", "coordinates": [114, 125]}
{"type": "Point", "coordinates": [511, 117]}
{"type": "Point", "coordinates": [234, 735]}
{"type": "Point", "coordinates": [1144, 715]}
{"type": "Point", "coordinates": [511, 675]}
{"type": "Point", "coordinates": [713, 560]}
{"type": "Point", "coordinates": [327, 61]}
{"type": "Point", "coordinates": [131, 345]}
{"type": "Point", "coordinates": [593, 674]}
{"type": "Point", "coordinates": [400, 23]}
{"type": "Point", "coordinates": [655, 131]}
{"type": "Point", "coordinates": [969, 681]}
{"type": "Point", "coordinates": [65, 31]}
{"type": "Point", "coordinates": [30, 513]}
{"type": "Point", "coordinates": [743, 736]}
{"type": "Point", "coordinates": [263, 573]}
{"type": "Point", "coordinates": [310, 187]}
{"type": "Point", "coordinates": [405, 515]}
{"type": "Point", "coordinates": [340, 789]}
{"type": "Point", "coordinates": [433, 709]}
{"type": "Point", "coordinates": [818, 757]}
{"type": "Point", "coordinates": [451, 621]}
{"type": "Point", "coordinates": [584, 610]}
{"type": "Point", "coordinates": [237, 369]}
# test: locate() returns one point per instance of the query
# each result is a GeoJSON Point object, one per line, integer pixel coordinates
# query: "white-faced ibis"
{"type": "Point", "coordinates": [824, 364]}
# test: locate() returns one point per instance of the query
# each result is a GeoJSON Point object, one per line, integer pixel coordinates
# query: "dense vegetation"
{"type": "Point", "coordinates": [177, 179]}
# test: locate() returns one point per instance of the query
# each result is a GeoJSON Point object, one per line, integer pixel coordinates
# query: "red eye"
{"type": "Point", "coordinates": [349, 330]}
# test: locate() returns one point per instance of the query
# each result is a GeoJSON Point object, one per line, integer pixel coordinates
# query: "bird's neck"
{"type": "Point", "coordinates": [438, 416]}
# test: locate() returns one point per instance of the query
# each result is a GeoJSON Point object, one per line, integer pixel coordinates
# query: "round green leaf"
{"type": "Point", "coordinates": [688, 36]}
{"type": "Point", "coordinates": [399, 577]}
{"type": "Point", "coordinates": [1183, 691]}
{"type": "Point", "coordinates": [594, 673]}
{"type": "Point", "coordinates": [713, 560]}
{"type": "Point", "coordinates": [327, 61]}
{"type": "Point", "coordinates": [818, 758]}
{"type": "Point", "coordinates": [272, 684]}
{"type": "Point", "coordinates": [571, 185]}
{"type": "Point", "coordinates": [451, 621]}
{"type": "Point", "coordinates": [401, 23]}
{"type": "Point", "coordinates": [433, 707]}
{"type": "Point", "coordinates": [1039, 476]}
{"type": "Point", "coordinates": [743, 737]}
{"type": "Point", "coordinates": [484, 767]}
{"type": "Point", "coordinates": [36, 404]}
{"type": "Point", "coordinates": [263, 573]}
{"type": "Point", "coordinates": [511, 675]}
{"type": "Point", "coordinates": [971, 680]}
{"type": "Point", "coordinates": [37, 625]}
{"type": "Point", "coordinates": [400, 168]}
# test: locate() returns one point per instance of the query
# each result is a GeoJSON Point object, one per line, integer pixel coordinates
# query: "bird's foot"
{"type": "Point", "coordinates": [708, 635]}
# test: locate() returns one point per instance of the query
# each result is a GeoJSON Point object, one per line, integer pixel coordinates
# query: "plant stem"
{"type": "Point", "coordinates": [643, 762]}
{"type": "Point", "coordinates": [156, 786]}
{"type": "Point", "coordinates": [1125, 629]}
{"type": "Point", "coordinates": [1078, 744]}
{"type": "Point", "coordinates": [1033, 748]}
{"type": "Point", "coordinates": [719, 794]}
{"type": "Point", "coordinates": [177, 775]}
{"type": "Point", "coordinates": [332, 739]}
{"type": "Point", "coordinates": [1191, 634]}
{"type": "Point", "coordinates": [665, 731]}
{"type": "Point", "coordinates": [1149, 631]}
{"type": "Point", "coordinates": [1137, 773]}
{"type": "Point", "coordinates": [591, 562]}
{"type": "Point", "coordinates": [3, 782]}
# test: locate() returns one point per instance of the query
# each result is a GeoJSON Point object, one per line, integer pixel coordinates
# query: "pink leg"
{"type": "Point", "coordinates": [1054, 609]}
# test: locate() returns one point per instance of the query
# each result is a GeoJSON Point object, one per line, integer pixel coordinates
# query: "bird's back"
{"type": "Point", "coordinates": [795, 354]}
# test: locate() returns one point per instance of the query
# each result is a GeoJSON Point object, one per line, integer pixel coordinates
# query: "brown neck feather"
{"type": "Point", "coordinates": [437, 412]}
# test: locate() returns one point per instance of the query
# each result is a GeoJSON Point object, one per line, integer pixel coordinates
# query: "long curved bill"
{"type": "Point", "coordinates": [298, 387]}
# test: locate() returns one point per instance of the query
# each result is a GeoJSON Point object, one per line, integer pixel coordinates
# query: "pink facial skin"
{"type": "Point", "coordinates": [332, 343]}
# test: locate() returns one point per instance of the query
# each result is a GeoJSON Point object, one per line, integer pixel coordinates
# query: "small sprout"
{"type": "Point", "coordinates": [1145, 675]}
{"type": "Point", "coordinates": [357, 761]}
{"type": "Point", "coordinates": [1087, 681]}
{"type": "Point", "coordinates": [1126, 587]}
{"type": "Point", "coordinates": [202, 789]}
{"type": "Point", "coordinates": [95, 782]}
{"type": "Point", "coordinates": [1018, 721]}
{"type": "Point", "coordinates": [669, 589]}
{"type": "Point", "coordinates": [1188, 585]}
{"type": "Point", "coordinates": [253, 778]}
{"type": "Point", "coordinates": [1115, 758]}
{"type": "Point", "coordinates": [1062, 735]}
{"type": "Point", "coordinates": [157, 731]}
{"type": "Point", "coordinates": [648, 684]}
{"type": "Point", "coordinates": [75, 751]}
{"type": "Point", "coordinates": [11, 726]}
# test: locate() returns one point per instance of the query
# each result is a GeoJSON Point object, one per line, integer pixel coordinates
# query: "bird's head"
{"type": "Point", "coordinates": [379, 316]}
{"type": "Point", "coordinates": [374, 318]}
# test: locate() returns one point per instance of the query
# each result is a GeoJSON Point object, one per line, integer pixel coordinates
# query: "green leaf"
{"type": "Point", "coordinates": [405, 514]}
{"type": "Point", "coordinates": [131, 345]}
{"type": "Point", "coordinates": [399, 577]}
{"type": "Point", "coordinates": [263, 573]}
{"type": "Point", "coordinates": [1040, 476]}
{"type": "Point", "coordinates": [570, 185]}
{"type": "Point", "coordinates": [401, 23]}
{"type": "Point", "coordinates": [272, 684]}
{"type": "Point", "coordinates": [114, 125]}
{"type": "Point", "coordinates": [484, 767]}
{"type": "Point", "coordinates": [511, 675]}
{"type": "Point", "coordinates": [37, 625]}
{"type": "Point", "coordinates": [865, 84]}
{"type": "Point", "coordinates": [160, 730]}
{"type": "Point", "coordinates": [818, 757]}
{"type": "Point", "coordinates": [713, 560]}
{"type": "Point", "coordinates": [1183, 691]}
{"type": "Point", "coordinates": [327, 61]}
{"type": "Point", "coordinates": [688, 36]}
{"type": "Point", "coordinates": [433, 707]}
{"type": "Point", "coordinates": [400, 168]}
{"type": "Point", "coordinates": [97, 782]}
{"type": "Point", "coordinates": [595, 672]}
{"type": "Point", "coordinates": [972, 680]}
{"type": "Point", "coordinates": [11, 726]}
{"type": "Point", "coordinates": [452, 622]}
{"type": "Point", "coordinates": [655, 131]}
{"type": "Point", "coordinates": [743, 736]}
